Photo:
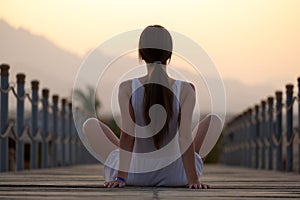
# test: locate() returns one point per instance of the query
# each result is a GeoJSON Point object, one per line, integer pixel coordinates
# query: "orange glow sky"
{"type": "Point", "coordinates": [254, 41]}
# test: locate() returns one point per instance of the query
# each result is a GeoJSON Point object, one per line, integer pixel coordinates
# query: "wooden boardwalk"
{"type": "Point", "coordinates": [85, 182]}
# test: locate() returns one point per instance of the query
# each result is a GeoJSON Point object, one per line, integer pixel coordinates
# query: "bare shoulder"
{"type": "Point", "coordinates": [187, 87]}
{"type": "Point", "coordinates": [125, 84]}
{"type": "Point", "coordinates": [188, 93]}
{"type": "Point", "coordinates": [125, 88]}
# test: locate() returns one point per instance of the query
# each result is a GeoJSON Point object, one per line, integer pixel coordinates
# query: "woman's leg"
{"type": "Point", "coordinates": [109, 134]}
{"type": "Point", "coordinates": [100, 138]}
{"type": "Point", "coordinates": [208, 130]}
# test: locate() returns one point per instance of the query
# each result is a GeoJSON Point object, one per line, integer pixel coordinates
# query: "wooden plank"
{"type": "Point", "coordinates": [86, 181]}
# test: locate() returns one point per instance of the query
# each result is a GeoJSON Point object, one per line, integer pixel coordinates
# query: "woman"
{"type": "Point", "coordinates": [136, 97]}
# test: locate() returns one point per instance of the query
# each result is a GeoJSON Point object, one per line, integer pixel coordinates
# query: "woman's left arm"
{"type": "Point", "coordinates": [187, 103]}
{"type": "Point", "coordinates": [187, 147]}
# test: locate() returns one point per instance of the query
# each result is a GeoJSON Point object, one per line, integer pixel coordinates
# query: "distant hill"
{"type": "Point", "coordinates": [38, 58]}
{"type": "Point", "coordinates": [56, 68]}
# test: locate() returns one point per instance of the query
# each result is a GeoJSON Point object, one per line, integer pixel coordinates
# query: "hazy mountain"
{"type": "Point", "coordinates": [241, 96]}
{"type": "Point", "coordinates": [56, 68]}
{"type": "Point", "coordinates": [38, 58]}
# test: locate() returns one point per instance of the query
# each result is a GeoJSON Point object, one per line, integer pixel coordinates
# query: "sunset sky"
{"type": "Point", "coordinates": [252, 41]}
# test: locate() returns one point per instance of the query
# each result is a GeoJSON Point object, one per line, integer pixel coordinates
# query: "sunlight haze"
{"type": "Point", "coordinates": [255, 42]}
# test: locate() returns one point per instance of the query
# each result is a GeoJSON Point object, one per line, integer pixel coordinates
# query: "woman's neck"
{"type": "Point", "coordinates": [150, 69]}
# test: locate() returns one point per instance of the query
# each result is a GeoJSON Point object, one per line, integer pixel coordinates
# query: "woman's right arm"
{"type": "Point", "coordinates": [186, 143]}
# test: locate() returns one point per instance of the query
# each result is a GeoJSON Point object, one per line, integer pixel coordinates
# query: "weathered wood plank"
{"type": "Point", "coordinates": [86, 182]}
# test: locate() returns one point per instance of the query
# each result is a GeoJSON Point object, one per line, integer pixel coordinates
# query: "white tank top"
{"type": "Point", "coordinates": [144, 145]}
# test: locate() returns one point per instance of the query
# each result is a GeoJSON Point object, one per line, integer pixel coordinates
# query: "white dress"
{"type": "Point", "coordinates": [162, 173]}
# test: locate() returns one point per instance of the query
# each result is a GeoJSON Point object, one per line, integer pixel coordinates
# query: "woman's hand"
{"type": "Point", "coordinates": [198, 185]}
{"type": "Point", "coordinates": [114, 184]}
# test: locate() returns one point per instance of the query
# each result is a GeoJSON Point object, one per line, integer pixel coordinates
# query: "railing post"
{"type": "Point", "coordinates": [240, 136]}
{"type": "Point", "coordinates": [45, 93]}
{"type": "Point", "coordinates": [289, 127]}
{"type": "Point", "coordinates": [236, 142]}
{"type": "Point", "coordinates": [249, 126]}
{"type": "Point", "coordinates": [63, 130]}
{"type": "Point", "coordinates": [256, 136]}
{"type": "Point", "coordinates": [34, 123]}
{"type": "Point", "coordinates": [244, 138]}
{"type": "Point", "coordinates": [233, 158]}
{"type": "Point", "coordinates": [77, 160]}
{"type": "Point", "coordinates": [263, 134]}
{"type": "Point", "coordinates": [80, 147]}
{"type": "Point", "coordinates": [278, 130]}
{"type": "Point", "coordinates": [252, 137]}
{"type": "Point", "coordinates": [4, 116]}
{"type": "Point", "coordinates": [55, 129]}
{"type": "Point", "coordinates": [239, 142]}
{"type": "Point", "coordinates": [20, 121]}
{"type": "Point", "coordinates": [270, 131]}
{"type": "Point", "coordinates": [224, 144]}
{"type": "Point", "coordinates": [299, 124]}
{"type": "Point", "coordinates": [70, 120]}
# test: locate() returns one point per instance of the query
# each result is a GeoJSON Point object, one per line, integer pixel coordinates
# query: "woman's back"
{"type": "Point", "coordinates": [145, 143]}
